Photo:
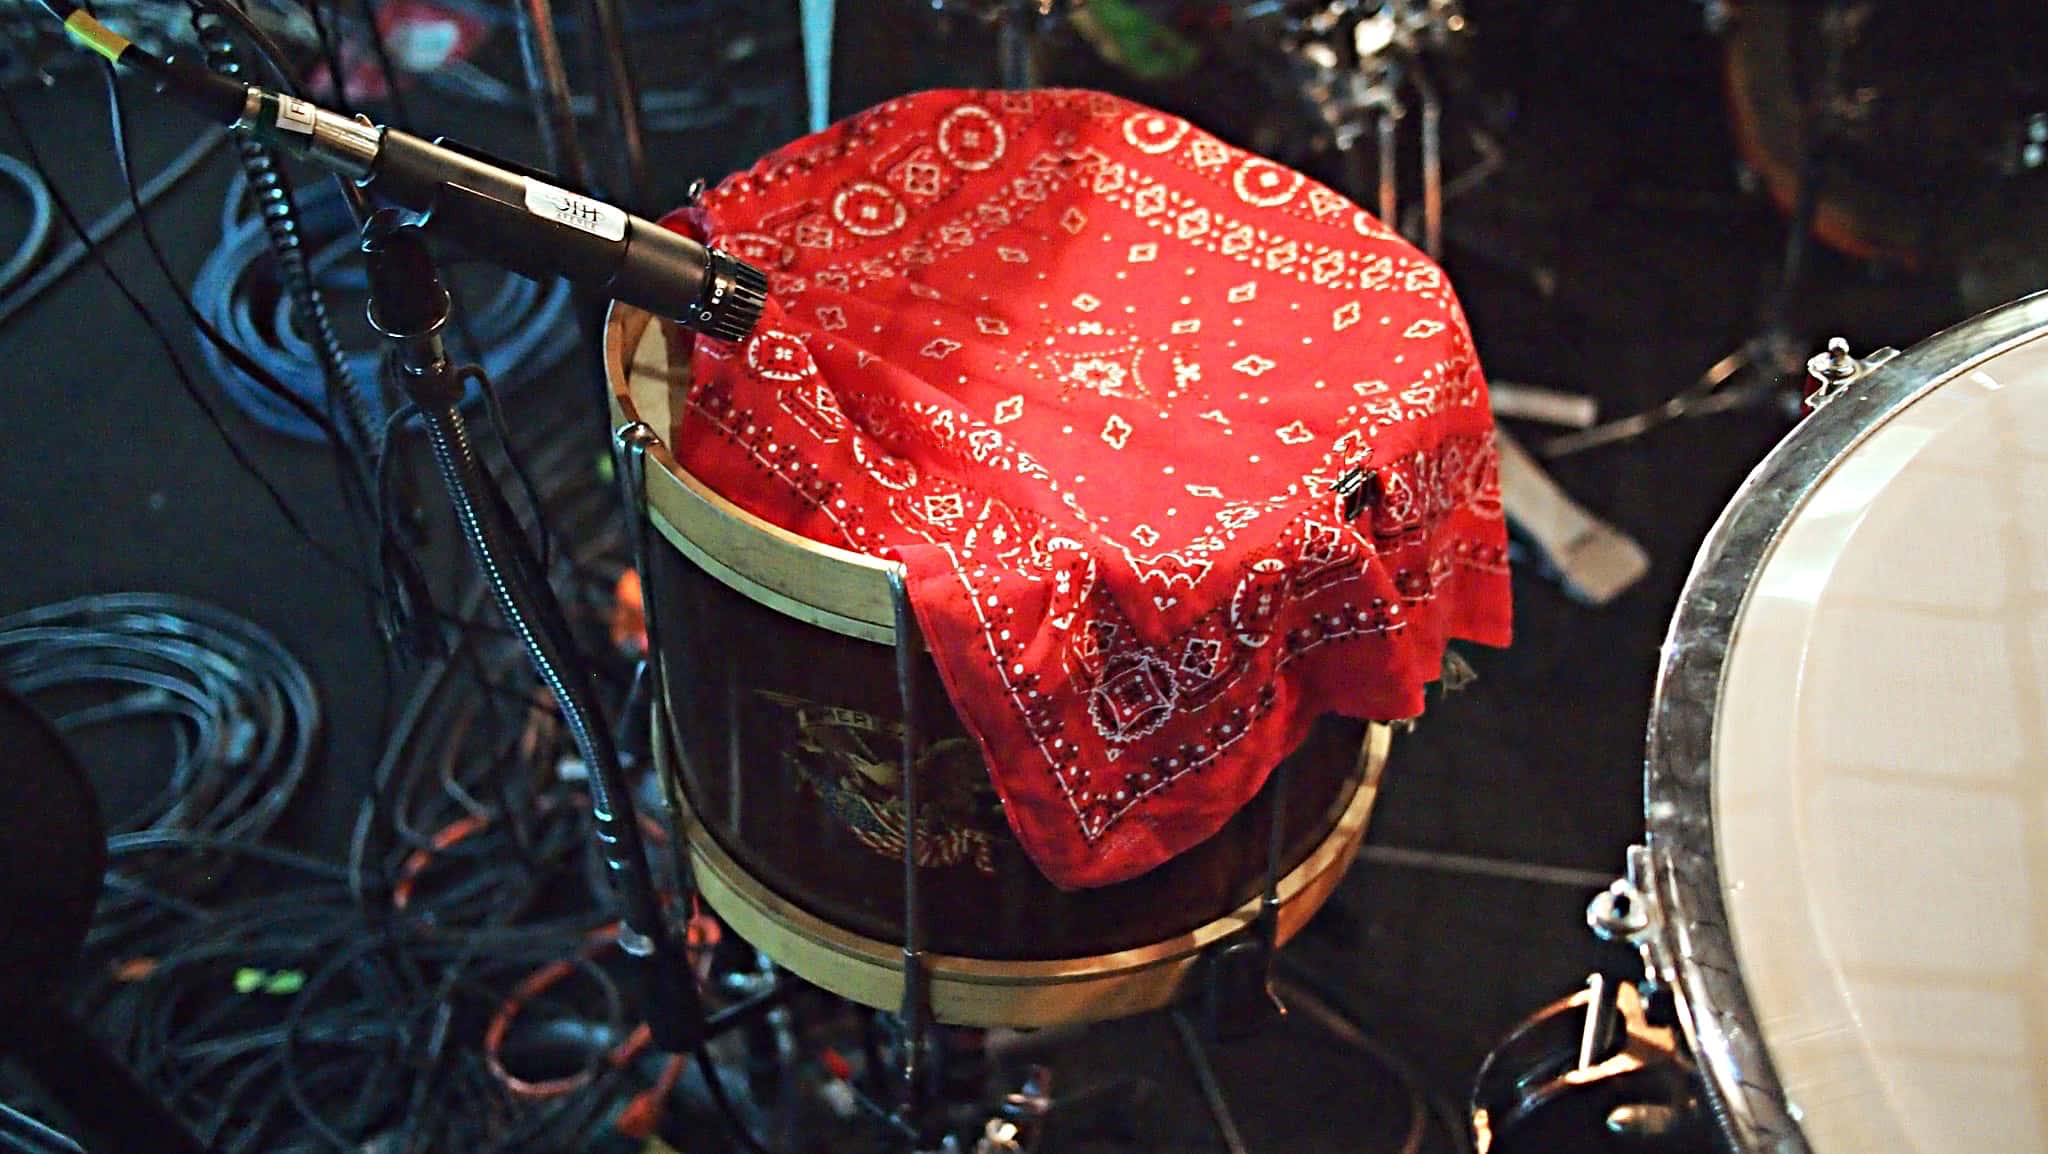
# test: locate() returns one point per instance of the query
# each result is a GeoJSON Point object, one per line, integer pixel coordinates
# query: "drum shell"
{"type": "Point", "coordinates": [788, 751]}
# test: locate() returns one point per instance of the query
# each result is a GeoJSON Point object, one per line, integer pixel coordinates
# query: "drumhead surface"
{"type": "Point", "coordinates": [1879, 772]}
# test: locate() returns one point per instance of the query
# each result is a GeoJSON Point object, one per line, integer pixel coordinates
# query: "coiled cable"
{"type": "Point", "coordinates": [243, 712]}
{"type": "Point", "coordinates": [523, 328]}
{"type": "Point", "coordinates": [277, 208]}
{"type": "Point", "coordinates": [42, 220]}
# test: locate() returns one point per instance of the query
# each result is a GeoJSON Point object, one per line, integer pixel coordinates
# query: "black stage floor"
{"type": "Point", "coordinates": [1501, 813]}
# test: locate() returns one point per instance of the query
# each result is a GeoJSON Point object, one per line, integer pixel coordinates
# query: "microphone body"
{"type": "Point", "coordinates": [516, 218]}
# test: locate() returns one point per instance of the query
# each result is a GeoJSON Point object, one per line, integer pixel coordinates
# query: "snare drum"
{"type": "Point", "coordinates": [785, 764]}
{"type": "Point", "coordinates": [1845, 884]}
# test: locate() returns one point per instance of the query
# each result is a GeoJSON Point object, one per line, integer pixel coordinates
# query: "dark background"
{"type": "Point", "coordinates": [1622, 185]}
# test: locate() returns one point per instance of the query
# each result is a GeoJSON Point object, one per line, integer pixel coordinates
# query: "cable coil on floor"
{"type": "Point", "coordinates": [243, 710]}
{"type": "Point", "coordinates": [524, 326]}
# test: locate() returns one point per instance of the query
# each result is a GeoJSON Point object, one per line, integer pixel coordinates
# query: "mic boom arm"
{"type": "Point", "coordinates": [496, 210]}
{"type": "Point", "coordinates": [520, 220]}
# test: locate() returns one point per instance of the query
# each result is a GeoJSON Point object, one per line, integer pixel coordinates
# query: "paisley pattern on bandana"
{"type": "Point", "coordinates": [1092, 375]}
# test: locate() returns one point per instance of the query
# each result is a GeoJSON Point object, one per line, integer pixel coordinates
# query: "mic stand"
{"type": "Point", "coordinates": [410, 307]}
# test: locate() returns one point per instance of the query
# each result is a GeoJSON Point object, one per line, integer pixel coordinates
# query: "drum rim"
{"type": "Point", "coordinates": [1691, 933]}
{"type": "Point", "coordinates": [1023, 994]}
{"type": "Point", "coordinates": [814, 582]}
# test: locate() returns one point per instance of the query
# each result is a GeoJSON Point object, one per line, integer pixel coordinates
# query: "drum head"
{"type": "Point", "coordinates": [1868, 631]}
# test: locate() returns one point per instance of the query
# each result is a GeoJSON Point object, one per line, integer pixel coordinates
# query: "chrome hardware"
{"type": "Point", "coordinates": [1643, 1120]}
{"type": "Point", "coordinates": [1629, 912]}
{"type": "Point", "coordinates": [1836, 369]}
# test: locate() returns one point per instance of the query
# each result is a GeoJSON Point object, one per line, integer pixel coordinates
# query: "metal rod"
{"type": "Point", "coordinates": [630, 443]}
{"type": "Point", "coordinates": [1596, 1037]}
{"type": "Point", "coordinates": [1432, 165]}
{"type": "Point", "coordinates": [1016, 60]}
{"type": "Point", "coordinates": [1396, 856]}
{"type": "Point", "coordinates": [623, 91]}
{"type": "Point", "coordinates": [1385, 121]}
{"type": "Point", "coordinates": [547, 79]}
{"type": "Point", "coordinates": [752, 1006]}
{"type": "Point", "coordinates": [817, 31]}
{"type": "Point", "coordinates": [1269, 912]}
{"type": "Point", "coordinates": [1212, 1090]}
{"type": "Point", "coordinates": [916, 1010]}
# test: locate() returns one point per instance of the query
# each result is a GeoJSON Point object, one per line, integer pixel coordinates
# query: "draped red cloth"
{"type": "Point", "coordinates": [1092, 376]}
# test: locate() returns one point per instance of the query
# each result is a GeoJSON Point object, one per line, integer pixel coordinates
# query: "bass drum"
{"type": "Point", "coordinates": [779, 659]}
{"type": "Point", "coordinates": [1848, 767]}
{"type": "Point", "coordinates": [1842, 902]}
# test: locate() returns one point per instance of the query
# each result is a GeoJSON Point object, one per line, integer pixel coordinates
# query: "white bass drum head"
{"type": "Point", "coordinates": [1878, 767]}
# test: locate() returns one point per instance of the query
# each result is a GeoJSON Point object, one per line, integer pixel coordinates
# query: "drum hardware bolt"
{"type": "Point", "coordinates": [1033, 1100]}
{"type": "Point", "coordinates": [634, 942]}
{"type": "Point", "coordinates": [1643, 1120]}
{"type": "Point", "coordinates": [1831, 372]}
{"type": "Point", "coordinates": [1620, 914]}
{"type": "Point", "coordinates": [1836, 369]}
{"type": "Point", "coordinates": [747, 984]}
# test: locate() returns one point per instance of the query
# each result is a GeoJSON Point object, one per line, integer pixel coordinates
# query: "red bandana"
{"type": "Point", "coordinates": [1091, 375]}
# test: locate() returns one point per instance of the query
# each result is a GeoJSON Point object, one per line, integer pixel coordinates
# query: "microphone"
{"type": "Point", "coordinates": [511, 215]}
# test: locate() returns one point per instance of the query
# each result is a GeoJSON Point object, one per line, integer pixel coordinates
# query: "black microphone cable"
{"type": "Point", "coordinates": [170, 350]}
{"type": "Point", "coordinates": [277, 206]}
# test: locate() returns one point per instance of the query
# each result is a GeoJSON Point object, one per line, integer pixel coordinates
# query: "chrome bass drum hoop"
{"type": "Point", "coordinates": [1691, 945]}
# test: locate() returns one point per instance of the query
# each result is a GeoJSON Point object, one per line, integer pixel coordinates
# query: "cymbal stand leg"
{"type": "Point", "coordinates": [547, 79]}
{"type": "Point", "coordinates": [621, 88]}
{"type": "Point", "coordinates": [1017, 43]}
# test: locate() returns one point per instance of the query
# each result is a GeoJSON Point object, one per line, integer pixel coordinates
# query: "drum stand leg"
{"type": "Point", "coordinates": [1212, 1090]}
{"type": "Point", "coordinates": [1237, 991]}
{"type": "Point", "coordinates": [1243, 991]}
{"type": "Point", "coordinates": [1237, 994]}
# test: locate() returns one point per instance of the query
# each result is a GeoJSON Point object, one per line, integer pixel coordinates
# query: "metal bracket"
{"type": "Point", "coordinates": [1835, 369]}
{"type": "Point", "coordinates": [1629, 912]}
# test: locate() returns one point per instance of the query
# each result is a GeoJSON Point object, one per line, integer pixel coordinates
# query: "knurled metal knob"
{"type": "Point", "coordinates": [735, 292]}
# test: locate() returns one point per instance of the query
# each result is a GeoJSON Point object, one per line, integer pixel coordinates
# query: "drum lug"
{"type": "Point", "coordinates": [1835, 369]}
{"type": "Point", "coordinates": [1628, 911]}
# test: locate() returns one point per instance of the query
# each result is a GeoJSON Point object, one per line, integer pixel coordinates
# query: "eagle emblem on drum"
{"type": "Point", "coordinates": [853, 762]}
